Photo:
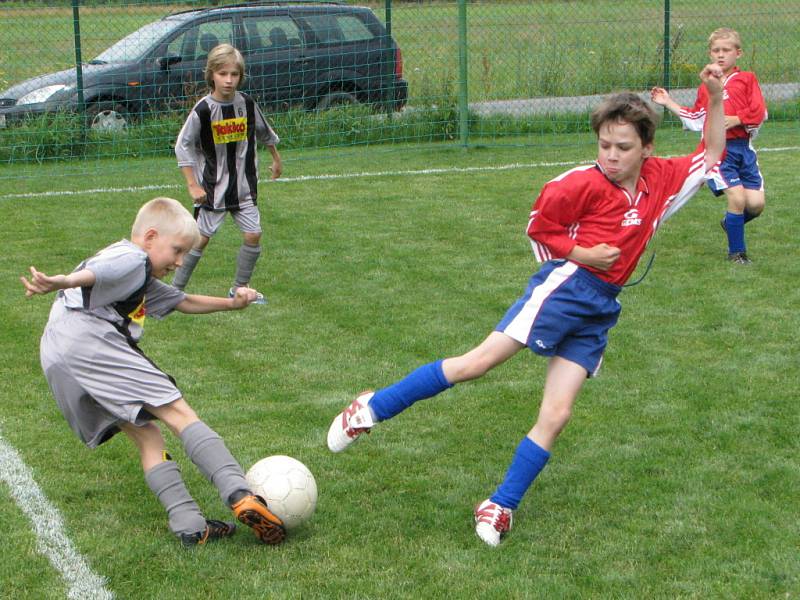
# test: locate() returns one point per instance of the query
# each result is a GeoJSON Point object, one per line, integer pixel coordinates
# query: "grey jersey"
{"type": "Point", "coordinates": [218, 140]}
{"type": "Point", "coordinates": [123, 292]}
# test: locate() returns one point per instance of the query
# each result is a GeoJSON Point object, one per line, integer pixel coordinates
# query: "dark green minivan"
{"type": "Point", "coordinates": [310, 55]}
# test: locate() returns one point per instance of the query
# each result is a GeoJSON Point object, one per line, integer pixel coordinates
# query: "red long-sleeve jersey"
{"type": "Point", "coordinates": [741, 97]}
{"type": "Point", "coordinates": [583, 207]}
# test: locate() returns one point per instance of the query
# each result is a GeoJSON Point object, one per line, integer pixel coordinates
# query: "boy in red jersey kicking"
{"type": "Point", "coordinates": [738, 177]}
{"type": "Point", "coordinates": [589, 226]}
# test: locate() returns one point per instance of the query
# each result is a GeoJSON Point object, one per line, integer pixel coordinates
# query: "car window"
{"type": "Point", "coordinates": [271, 33]}
{"type": "Point", "coordinates": [337, 28]}
{"type": "Point", "coordinates": [353, 29]}
{"type": "Point", "coordinates": [135, 46]}
{"type": "Point", "coordinates": [197, 42]}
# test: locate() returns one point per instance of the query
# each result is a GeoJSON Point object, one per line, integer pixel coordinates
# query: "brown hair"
{"type": "Point", "coordinates": [219, 57]}
{"type": "Point", "coordinates": [629, 108]}
{"type": "Point", "coordinates": [725, 32]}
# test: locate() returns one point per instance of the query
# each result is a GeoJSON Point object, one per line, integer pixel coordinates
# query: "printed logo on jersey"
{"type": "Point", "coordinates": [725, 95]}
{"type": "Point", "coordinates": [229, 130]}
{"type": "Point", "coordinates": [631, 217]}
{"type": "Point", "coordinates": [137, 314]}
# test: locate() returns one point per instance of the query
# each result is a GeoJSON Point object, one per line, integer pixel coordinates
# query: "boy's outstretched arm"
{"type": "Point", "coordinates": [714, 134]}
{"type": "Point", "coordinates": [196, 304]}
{"type": "Point", "coordinates": [661, 96]}
{"type": "Point", "coordinates": [40, 283]}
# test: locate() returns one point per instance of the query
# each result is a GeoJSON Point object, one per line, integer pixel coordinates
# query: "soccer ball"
{"type": "Point", "coordinates": [288, 487]}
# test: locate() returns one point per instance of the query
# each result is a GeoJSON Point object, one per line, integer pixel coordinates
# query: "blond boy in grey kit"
{"type": "Point", "coordinates": [103, 383]}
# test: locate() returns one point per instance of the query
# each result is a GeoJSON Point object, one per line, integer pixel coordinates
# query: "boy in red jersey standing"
{"type": "Point", "coordinates": [738, 177]}
{"type": "Point", "coordinates": [589, 226]}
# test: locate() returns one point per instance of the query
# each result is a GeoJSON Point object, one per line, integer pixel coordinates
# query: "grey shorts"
{"type": "Point", "coordinates": [98, 379]}
{"type": "Point", "coordinates": [248, 220]}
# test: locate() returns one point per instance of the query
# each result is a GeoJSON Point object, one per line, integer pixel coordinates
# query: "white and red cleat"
{"type": "Point", "coordinates": [351, 423]}
{"type": "Point", "coordinates": [492, 522]}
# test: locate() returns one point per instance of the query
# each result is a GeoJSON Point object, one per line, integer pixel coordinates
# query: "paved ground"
{"type": "Point", "coordinates": [534, 106]}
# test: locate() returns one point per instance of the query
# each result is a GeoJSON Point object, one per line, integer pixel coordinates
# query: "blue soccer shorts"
{"type": "Point", "coordinates": [565, 311]}
{"type": "Point", "coordinates": [740, 167]}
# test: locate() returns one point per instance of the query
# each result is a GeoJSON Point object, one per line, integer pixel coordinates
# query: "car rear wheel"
{"type": "Point", "coordinates": [107, 116]}
{"type": "Point", "coordinates": [334, 99]}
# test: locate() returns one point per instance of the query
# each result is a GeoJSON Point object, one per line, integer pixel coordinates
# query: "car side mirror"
{"type": "Point", "coordinates": [164, 62]}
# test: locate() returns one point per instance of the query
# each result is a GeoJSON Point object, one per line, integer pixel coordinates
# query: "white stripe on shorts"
{"type": "Point", "coordinates": [520, 327]}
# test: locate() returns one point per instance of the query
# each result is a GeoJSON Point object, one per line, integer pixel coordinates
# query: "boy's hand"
{"type": "Point", "coordinates": [713, 77]}
{"type": "Point", "coordinates": [732, 121]}
{"type": "Point", "coordinates": [197, 193]}
{"type": "Point", "coordinates": [277, 168]}
{"type": "Point", "coordinates": [660, 96]}
{"type": "Point", "coordinates": [244, 296]}
{"type": "Point", "coordinates": [601, 256]}
{"type": "Point", "coordinates": [41, 283]}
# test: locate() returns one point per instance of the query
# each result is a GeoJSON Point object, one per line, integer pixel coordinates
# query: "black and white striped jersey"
{"type": "Point", "coordinates": [218, 141]}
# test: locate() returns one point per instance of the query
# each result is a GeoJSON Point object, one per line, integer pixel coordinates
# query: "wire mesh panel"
{"type": "Point", "coordinates": [116, 80]}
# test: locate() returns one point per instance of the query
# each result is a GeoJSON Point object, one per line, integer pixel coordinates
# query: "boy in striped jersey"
{"type": "Point", "coordinates": [589, 226]}
{"type": "Point", "coordinates": [216, 151]}
{"type": "Point", "coordinates": [738, 177]}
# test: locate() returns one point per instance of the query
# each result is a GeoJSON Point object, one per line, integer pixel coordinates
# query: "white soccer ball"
{"type": "Point", "coordinates": [288, 487]}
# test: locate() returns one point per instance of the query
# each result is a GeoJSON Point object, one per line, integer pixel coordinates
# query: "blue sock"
{"type": "Point", "coordinates": [734, 225]}
{"type": "Point", "coordinates": [529, 460]}
{"type": "Point", "coordinates": [428, 380]}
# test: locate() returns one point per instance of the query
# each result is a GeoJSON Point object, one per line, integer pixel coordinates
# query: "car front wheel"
{"type": "Point", "coordinates": [107, 116]}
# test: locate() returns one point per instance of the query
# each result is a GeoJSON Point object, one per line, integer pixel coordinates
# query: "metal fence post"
{"type": "Point", "coordinates": [463, 98]}
{"type": "Point", "coordinates": [390, 103]}
{"type": "Point", "coordinates": [76, 29]}
{"type": "Point", "coordinates": [667, 45]}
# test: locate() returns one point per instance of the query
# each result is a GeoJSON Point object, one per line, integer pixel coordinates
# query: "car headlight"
{"type": "Point", "coordinates": [42, 94]}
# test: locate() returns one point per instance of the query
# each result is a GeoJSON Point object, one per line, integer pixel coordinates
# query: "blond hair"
{"type": "Point", "coordinates": [168, 217]}
{"type": "Point", "coordinates": [725, 33]}
{"type": "Point", "coordinates": [219, 57]}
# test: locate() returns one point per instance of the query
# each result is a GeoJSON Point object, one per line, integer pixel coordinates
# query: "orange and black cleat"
{"type": "Point", "coordinates": [254, 512]}
{"type": "Point", "coordinates": [214, 530]}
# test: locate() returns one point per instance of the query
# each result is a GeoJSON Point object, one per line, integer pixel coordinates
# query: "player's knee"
{"type": "Point", "coordinates": [177, 415]}
{"type": "Point", "coordinates": [556, 418]}
{"type": "Point", "coordinates": [755, 206]}
{"type": "Point", "coordinates": [252, 239]}
{"type": "Point", "coordinates": [144, 436]}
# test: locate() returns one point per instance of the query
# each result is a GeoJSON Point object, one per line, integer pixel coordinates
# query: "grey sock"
{"type": "Point", "coordinates": [207, 450]}
{"type": "Point", "coordinates": [167, 484]}
{"type": "Point", "coordinates": [184, 272]}
{"type": "Point", "coordinates": [245, 263]}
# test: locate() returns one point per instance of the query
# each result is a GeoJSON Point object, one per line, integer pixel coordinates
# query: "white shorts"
{"type": "Point", "coordinates": [98, 379]}
{"type": "Point", "coordinates": [248, 219]}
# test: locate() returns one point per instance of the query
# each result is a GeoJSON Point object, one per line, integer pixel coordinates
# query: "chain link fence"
{"type": "Point", "coordinates": [94, 79]}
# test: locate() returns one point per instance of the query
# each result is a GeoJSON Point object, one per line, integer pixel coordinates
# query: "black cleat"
{"type": "Point", "coordinates": [740, 258]}
{"type": "Point", "coordinates": [214, 530]}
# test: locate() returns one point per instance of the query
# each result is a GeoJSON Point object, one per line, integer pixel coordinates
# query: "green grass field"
{"type": "Point", "coordinates": [678, 476]}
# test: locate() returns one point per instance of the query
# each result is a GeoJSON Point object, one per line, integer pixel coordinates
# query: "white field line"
{"type": "Point", "coordinates": [51, 540]}
{"type": "Point", "coordinates": [331, 176]}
